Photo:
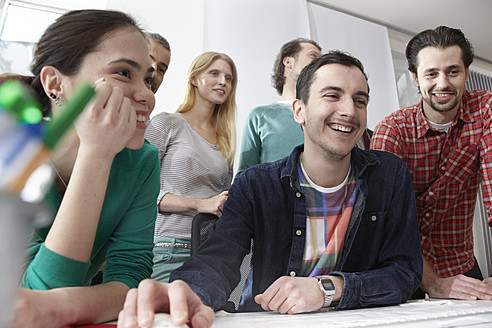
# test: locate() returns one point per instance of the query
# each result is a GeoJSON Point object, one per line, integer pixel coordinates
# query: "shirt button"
{"type": "Point", "coordinates": [298, 194]}
{"type": "Point", "coordinates": [298, 232]}
{"type": "Point", "coordinates": [431, 193]}
{"type": "Point", "coordinates": [292, 273]}
{"type": "Point", "coordinates": [374, 218]}
{"type": "Point", "coordinates": [427, 215]}
{"type": "Point", "coordinates": [443, 168]}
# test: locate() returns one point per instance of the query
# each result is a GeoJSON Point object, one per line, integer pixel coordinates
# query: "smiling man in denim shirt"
{"type": "Point", "coordinates": [331, 225]}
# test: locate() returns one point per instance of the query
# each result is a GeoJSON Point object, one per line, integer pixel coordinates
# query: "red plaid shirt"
{"type": "Point", "coordinates": [446, 169]}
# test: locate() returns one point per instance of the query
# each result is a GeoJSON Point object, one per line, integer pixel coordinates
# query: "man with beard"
{"type": "Point", "coordinates": [445, 140]}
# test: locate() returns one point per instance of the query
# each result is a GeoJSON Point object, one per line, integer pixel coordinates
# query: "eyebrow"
{"type": "Point", "coordinates": [437, 69]}
{"type": "Point", "coordinates": [130, 62]}
{"type": "Point", "coordinates": [338, 89]}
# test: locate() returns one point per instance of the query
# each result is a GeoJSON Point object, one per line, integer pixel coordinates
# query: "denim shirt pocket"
{"type": "Point", "coordinates": [366, 242]}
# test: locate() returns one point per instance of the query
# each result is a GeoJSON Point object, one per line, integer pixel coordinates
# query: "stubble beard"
{"type": "Point", "coordinates": [443, 108]}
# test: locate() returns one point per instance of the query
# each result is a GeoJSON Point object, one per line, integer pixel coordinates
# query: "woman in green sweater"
{"type": "Point", "coordinates": [107, 175]}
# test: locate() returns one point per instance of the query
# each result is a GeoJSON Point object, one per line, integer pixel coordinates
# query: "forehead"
{"type": "Point", "coordinates": [159, 52]}
{"type": "Point", "coordinates": [349, 78]}
{"type": "Point", "coordinates": [434, 57]}
{"type": "Point", "coordinates": [307, 47]}
{"type": "Point", "coordinates": [124, 42]}
{"type": "Point", "coordinates": [221, 65]}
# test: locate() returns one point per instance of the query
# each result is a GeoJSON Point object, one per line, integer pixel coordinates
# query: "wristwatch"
{"type": "Point", "coordinates": [328, 287]}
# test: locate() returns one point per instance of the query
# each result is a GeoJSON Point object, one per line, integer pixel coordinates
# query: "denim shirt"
{"type": "Point", "coordinates": [381, 262]}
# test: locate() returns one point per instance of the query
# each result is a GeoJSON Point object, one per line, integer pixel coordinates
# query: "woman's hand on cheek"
{"type": "Point", "coordinates": [108, 123]}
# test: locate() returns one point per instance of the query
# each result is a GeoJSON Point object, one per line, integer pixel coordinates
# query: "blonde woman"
{"type": "Point", "coordinates": [196, 149]}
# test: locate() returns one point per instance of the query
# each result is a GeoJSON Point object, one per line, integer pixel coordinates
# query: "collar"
{"type": "Point", "coordinates": [360, 159]}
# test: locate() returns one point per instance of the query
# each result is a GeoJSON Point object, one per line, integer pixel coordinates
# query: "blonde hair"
{"type": "Point", "coordinates": [224, 116]}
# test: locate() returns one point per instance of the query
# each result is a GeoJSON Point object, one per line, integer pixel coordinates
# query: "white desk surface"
{"type": "Point", "coordinates": [421, 314]}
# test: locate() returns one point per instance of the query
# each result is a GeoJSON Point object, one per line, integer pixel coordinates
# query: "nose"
{"type": "Point", "coordinates": [144, 96]}
{"type": "Point", "coordinates": [222, 79]}
{"type": "Point", "coordinates": [442, 81]}
{"type": "Point", "coordinates": [347, 107]}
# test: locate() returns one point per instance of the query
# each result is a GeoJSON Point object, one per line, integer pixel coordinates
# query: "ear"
{"type": "Point", "coordinates": [193, 80]}
{"type": "Point", "coordinates": [53, 81]}
{"type": "Point", "coordinates": [467, 74]}
{"type": "Point", "coordinates": [288, 62]}
{"type": "Point", "coordinates": [298, 111]}
{"type": "Point", "coordinates": [415, 79]}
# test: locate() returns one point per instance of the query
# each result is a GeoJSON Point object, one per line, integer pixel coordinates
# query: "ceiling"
{"type": "Point", "coordinates": [413, 16]}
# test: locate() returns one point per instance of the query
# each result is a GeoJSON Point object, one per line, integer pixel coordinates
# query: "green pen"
{"type": "Point", "coordinates": [55, 130]}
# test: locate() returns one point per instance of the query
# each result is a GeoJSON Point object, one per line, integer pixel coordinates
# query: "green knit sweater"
{"type": "Point", "coordinates": [270, 133]}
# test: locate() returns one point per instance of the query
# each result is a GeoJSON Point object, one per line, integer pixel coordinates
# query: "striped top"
{"type": "Point", "coordinates": [328, 212]}
{"type": "Point", "coordinates": [190, 167]}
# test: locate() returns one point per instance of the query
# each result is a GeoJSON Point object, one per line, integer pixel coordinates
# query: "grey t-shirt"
{"type": "Point", "coordinates": [190, 167]}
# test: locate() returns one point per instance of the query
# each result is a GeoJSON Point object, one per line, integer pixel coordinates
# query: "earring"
{"type": "Point", "coordinates": [59, 101]}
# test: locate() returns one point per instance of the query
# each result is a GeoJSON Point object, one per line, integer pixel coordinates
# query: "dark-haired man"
{"type": "Point", "coordinates": [445, 140]}
{"type": "Point", "coordinates": [332, 225]}
{"type": "Point", "coordinates": [270, 132]}
{"type": "Point", "coordinates": [160, 54]}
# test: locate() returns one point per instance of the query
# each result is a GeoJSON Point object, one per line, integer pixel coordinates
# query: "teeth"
{"type": "Point", "coordinates": [220, 91]}
{"type": "Point", "coordinates": [141, 118]}
{"type": "Point", "coordinates": [441, 94]}
{"type": "Point", "coordinates": [341, 128]}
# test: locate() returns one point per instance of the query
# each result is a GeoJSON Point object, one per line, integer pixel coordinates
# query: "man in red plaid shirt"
{"type": "Point", "coordinates": [446, 142]}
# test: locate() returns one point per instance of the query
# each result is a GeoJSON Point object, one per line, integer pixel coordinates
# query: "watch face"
{"type": "Point", "coordinates": [328, 284]}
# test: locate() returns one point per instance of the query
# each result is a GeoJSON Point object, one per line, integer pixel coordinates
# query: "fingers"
{"type": "Point", "coordinates": [103, 92]}
{"type": "Point", "coordinates": [128, 316]}
{"type": "Point", "coordinates": [185, 306]}
{"type": "Point", "coordinates": [266, 300]}
{"type": "Point", "coordinates": [466, 288]}
{"type": "Point", "coordinates": [222, 197]}
{"type": "Point", "coordinates": [152, 297]}
{"type": "Point", "coordinates": [178, 295]}
{"type": "Point", "coordinates": [140, 304]}
{"type": "Point", "coordinates": [291, 295]}
{"type": "Point", "coordinates": [112, 102]}
{"type": "Point", "coordinates": [175, 298]}
{"type": "Point", "coordinates": [203, 318]}
{"type": "Point", "coordinates": [120, 110]}
{"type": "Point", "coordinates": [277, 300]}
{"type": "Point", "coordinates": [109, 121]}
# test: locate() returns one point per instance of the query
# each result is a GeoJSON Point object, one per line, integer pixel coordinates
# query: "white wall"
{"type": "Point", "coordinates": [181, 23]}
{"type": "Point", "coordinates": [367, 41]}
{"type": "Point", "coordinates": [252, 32]}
